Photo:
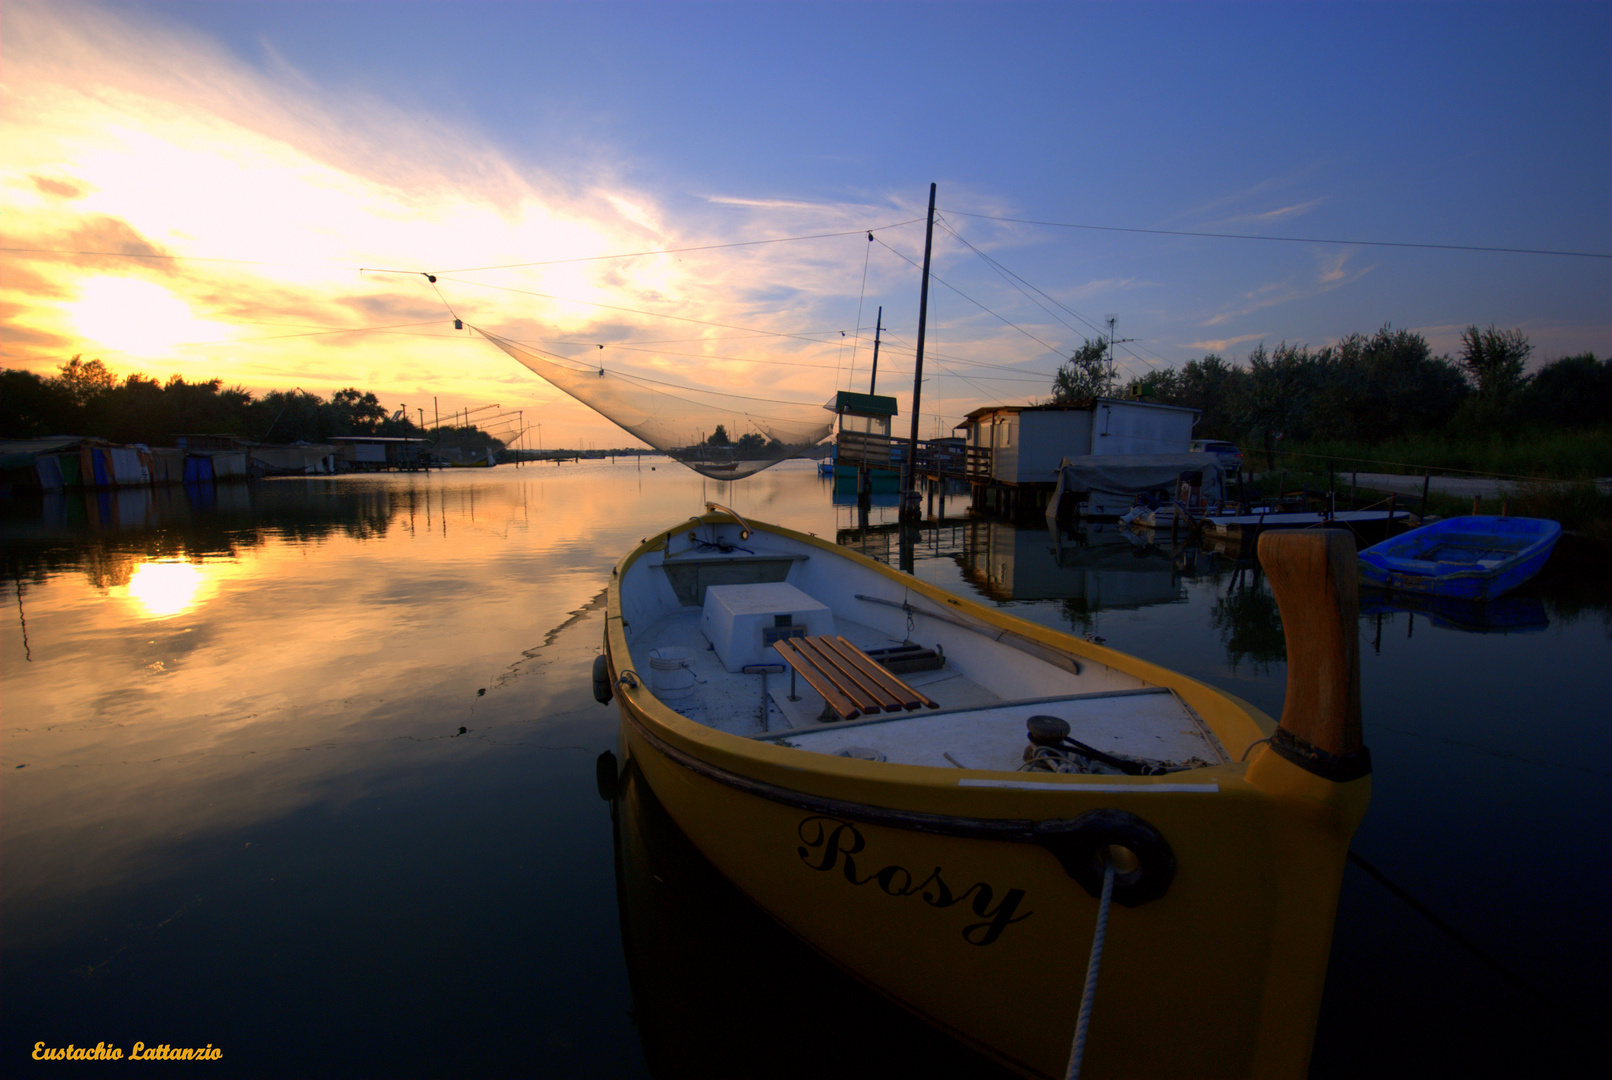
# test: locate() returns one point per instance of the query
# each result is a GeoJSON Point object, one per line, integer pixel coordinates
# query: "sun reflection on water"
{"type": "Point", "coordinates": [164, 589]}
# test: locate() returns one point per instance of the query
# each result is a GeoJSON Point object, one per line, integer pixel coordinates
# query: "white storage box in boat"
{"type": "Point", "coordinates": [743, 621]}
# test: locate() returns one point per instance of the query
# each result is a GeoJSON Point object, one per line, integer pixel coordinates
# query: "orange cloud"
{"type": "Point", "coordinates": [191, 216]}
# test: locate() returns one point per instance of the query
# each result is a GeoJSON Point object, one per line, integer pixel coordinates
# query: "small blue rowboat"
{"type": "Point", "coordinates": [1472, 558]}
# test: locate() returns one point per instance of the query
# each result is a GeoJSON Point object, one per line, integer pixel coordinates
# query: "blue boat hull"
{"type": "Point", "coordinates": [1469, 558]}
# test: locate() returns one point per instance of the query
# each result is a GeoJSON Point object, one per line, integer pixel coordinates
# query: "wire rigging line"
{"type": "Point", "coordinates": [861, 298]}
{"type": "Point", "coordinates": [1291, 239]}
{"type": "Point", "coordinates": [173, 258]}
{"type": "Point", "coordinates": [1000, 268]}
{"type": "Point", "coordinates": [1020, 284]}
{"type": "Point", "coordinates": [896, 343]}
{"type": "Point", "coordinates": [676, 251]}
{"type": "Point", "coordinates": [248, 340]}
{"type": "Point", "coordinates": [1003, 270]}
{"type": "Point", "coordinates": [1006, 321]}
{"type": "Point", "coordinates": [580, 366]}
{"type": "Point", "coordinates": [636, 311]}
{"type": "Point", "coordinates": [978, 389]}
{"type": "Point", "coordinates": [507, 266]}
{"type": "Point", "coordinates": [697, 355]}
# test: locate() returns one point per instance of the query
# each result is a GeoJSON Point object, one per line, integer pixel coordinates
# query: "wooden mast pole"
{"type": "Point", "coordinates": [909, 487]}
{"type": "Point", "coordinates": [878, 328]}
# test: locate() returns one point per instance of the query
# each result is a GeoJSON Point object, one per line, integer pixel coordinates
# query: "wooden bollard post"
{"type": "Point", "coordinates": [1315, 578]}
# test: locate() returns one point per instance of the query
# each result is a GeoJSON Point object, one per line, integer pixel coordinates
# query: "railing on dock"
{"type": "Point", "coordinates": [942, 458]}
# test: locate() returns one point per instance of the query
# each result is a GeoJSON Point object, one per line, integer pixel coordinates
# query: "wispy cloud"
{"type": "Point", "coordinates": [1280, 213]}
{"type": "Point", "coordinates": [1332, 272]}
{"type": "Point", "coordinates": [1220, 345]}
{"type": "Point", "coordinates": [253, 198]}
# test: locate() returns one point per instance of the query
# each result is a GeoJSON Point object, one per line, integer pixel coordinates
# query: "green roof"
{"type": "Point", "coordinates": [862, 404]}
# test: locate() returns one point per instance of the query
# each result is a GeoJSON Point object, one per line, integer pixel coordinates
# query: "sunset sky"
{"type": "Point", "coordinates": [256, 191]}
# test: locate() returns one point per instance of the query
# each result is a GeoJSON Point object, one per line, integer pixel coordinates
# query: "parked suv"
{"type": "Point", "coordinates": [1231, 458]}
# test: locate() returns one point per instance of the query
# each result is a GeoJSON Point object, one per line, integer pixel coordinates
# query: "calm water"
{"type": "Point", "coordinates": [305, 770]}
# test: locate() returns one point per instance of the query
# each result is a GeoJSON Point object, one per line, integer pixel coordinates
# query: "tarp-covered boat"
{"type": "Point", "coordinates": [1469, 558]}
{"type": "Point", "coordinates": [935, 795]}
{"type": "Point", "coordinates": [1110, 482]}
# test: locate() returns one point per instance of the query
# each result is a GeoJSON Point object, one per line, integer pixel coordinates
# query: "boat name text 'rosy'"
{"type": "Point", "coordinates": [830, 842]}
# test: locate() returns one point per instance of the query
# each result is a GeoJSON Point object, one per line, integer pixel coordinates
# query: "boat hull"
{"type": "Point", "coordinates": [1444, 558]}
{"type": "Point", "coordinates": [965, 895]}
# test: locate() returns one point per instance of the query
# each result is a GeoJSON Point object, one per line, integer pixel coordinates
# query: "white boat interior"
{"type": "Point", "coordinates": [702, 614]}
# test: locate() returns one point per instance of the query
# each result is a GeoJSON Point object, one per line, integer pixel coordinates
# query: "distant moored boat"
{"type": "Point", "coordinates": [1472, 558]}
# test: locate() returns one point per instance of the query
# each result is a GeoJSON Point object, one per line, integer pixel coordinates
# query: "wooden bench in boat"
{"type": "Point", "coordinates": [852, 683]}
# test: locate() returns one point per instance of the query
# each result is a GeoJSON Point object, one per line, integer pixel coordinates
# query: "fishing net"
{"type": "Point", "coordinates": [723, 436]}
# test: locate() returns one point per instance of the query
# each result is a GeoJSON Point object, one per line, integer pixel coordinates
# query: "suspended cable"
{"type": "Point", "coordinates": [1291, 239]}
{"type": "Point", "coordinates": [989, 261]}
{"type": "Point", "coordinates": [1015, 280]}
{"type": "Point", "coordinates": [1005, 321]}
{"type": "Point", "coordinates": [1013, 277]}
{"type": "Point", "coordinates": [695, 356]}
{"type": "Point", "coordinates": [635, 311]}
{"type": "Point", "coordinates": [506, 266]}
{"type": "Point", "coordinates": [860, 299]}
{"type": "Point", "coordinates": [658, 382]}
{"type": "Point", "coordinates": [241, 341]}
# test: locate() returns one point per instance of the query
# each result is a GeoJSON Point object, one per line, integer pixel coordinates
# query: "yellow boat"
{"type": "Point", "coordinates": [937, 796]}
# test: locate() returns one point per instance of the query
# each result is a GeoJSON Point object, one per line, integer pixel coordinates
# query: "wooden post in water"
{"type": "Point", "coordinates": [1475, 500]}
{"type": "Point", "coordinates": [1314, 577]}
{"type": "Point", "coordinates": [1427, 478]}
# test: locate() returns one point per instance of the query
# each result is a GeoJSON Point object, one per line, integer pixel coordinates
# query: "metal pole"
{"type": "Point", "coordinates": [908, 494]}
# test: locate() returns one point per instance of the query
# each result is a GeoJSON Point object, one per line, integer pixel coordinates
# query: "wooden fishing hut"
{"type": "Point", "coordinates": [1013, 451]}
{"type": "Point", "coordinates": [865, 459]}
{"type": "Point", "coordinates": [381, 453]}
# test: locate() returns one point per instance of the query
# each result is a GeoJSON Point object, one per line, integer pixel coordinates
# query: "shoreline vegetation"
{"type": "Point", "coordinates": [1384, 403]}
{"type": "Point", "coordinates": [1381, 403]}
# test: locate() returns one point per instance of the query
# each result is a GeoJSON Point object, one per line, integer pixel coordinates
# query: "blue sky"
{"type": "Point", "coordinates": [305, 140]}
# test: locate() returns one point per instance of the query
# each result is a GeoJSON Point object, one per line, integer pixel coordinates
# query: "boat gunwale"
{"type": "Point", "coordinates": [1027, 830]}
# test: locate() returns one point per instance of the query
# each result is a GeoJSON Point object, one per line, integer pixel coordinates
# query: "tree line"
{"type": "Point", "coordinates": [1365, 389]}
{"type": "Point", "coordinates": [85, 398]}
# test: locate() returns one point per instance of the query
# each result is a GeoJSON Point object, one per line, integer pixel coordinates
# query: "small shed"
{"type": "Point", "coordinates": [1025, 443]}
{"type": "Point", "coordinates": [377, 453]}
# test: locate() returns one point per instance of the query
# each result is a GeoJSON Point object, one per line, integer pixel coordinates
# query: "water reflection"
{"type": "Point", "coordinates": [269, 767]}
{"type": "Point", "coordinates": [720, 990]}
{"type": "Point", "coordinates": [165, 588]}
{"type": "Point", "coordinates": [1511, 613]}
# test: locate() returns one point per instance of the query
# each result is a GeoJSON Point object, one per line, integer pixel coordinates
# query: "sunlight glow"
{"type": "Point", "coordinates": [164, 589]}
{"type": "Point", "coordinates": [134, 316]}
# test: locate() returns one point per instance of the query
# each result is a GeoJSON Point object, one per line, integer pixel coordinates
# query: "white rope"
{"type": "Point", "coordinates": [1092, 965]}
